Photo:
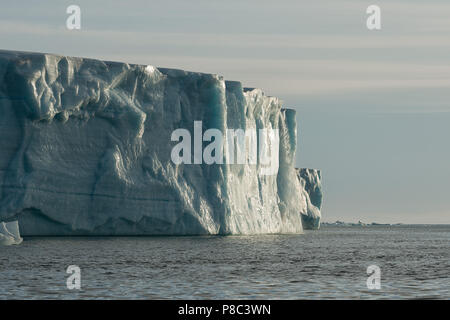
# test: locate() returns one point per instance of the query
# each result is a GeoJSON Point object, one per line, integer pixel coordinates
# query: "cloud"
{"type": "Point", "coordinates": [14, 28]}
{"type": "Point", "coordinates": [301, 62]}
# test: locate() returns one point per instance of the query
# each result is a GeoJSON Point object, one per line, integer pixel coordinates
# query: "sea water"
{"type": "Point", "coordinates": [330, 263]}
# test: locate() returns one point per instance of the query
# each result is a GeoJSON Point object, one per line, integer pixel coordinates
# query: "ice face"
{"type": "Point", "coordinates": [311, 186]}
{"type": "Point", "coordinates": [86, 150]}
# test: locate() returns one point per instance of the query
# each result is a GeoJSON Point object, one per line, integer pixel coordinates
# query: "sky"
{"type": "Point", "coordinates": [373, 106]}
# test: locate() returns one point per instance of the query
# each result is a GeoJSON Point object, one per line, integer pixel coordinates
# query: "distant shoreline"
{"type": "Point", "coordinates": [374, 224]}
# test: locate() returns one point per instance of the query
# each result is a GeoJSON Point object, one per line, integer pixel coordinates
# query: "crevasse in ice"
{"type": "Point", "coordinates": [86, 150]}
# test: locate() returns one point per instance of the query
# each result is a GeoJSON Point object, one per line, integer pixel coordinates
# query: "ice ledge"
{"type": "Point", "coordinates": [9, 233]}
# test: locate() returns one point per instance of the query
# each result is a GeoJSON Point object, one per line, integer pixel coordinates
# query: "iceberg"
{"type": "Point", "coordinates": [86, 150]}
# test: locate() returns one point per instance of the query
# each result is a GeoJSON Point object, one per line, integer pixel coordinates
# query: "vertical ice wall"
{"type": "Point", "coordinates": [87, 151]}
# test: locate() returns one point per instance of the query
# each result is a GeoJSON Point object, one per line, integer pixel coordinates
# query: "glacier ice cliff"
{"type": "Point", "coordinates": [86, 147]}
